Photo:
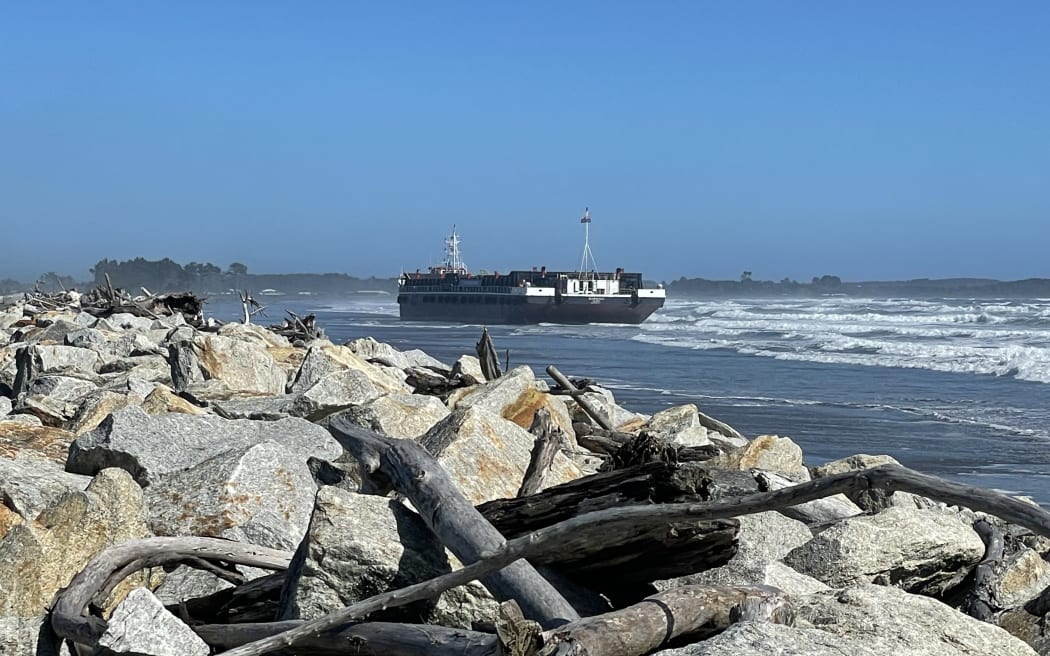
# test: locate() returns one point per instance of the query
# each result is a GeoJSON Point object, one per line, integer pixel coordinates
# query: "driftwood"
{"type": "Point", "coordinates": [295, 327]}
{"type": "Point", "coordinates": [69, 617]}
{"type": "Point", "coordinates": [487, 356]}
{"type": "Point", "coordinates": [548, 440]}
{"type": "Point", "coordinates": [597, 415]}
{"type": "Point", "coordinates": [250, 307]}
{"type": "Point", "coordinates": [417, 475]}
{"type": "Point", "coordinates": [657, 621]}
{"type": "Point", "coordinates": [980, 601]}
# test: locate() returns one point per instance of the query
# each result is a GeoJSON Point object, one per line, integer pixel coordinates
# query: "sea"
{"type": "Point", "coordinates": [954, 387]}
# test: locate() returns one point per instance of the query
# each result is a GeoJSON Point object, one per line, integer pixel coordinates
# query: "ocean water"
{"type": "Point", "coordinates": [958, 388]}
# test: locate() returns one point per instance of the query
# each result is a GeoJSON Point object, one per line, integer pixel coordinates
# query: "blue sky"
{"type": "Point", "coordinates": [878, 140]}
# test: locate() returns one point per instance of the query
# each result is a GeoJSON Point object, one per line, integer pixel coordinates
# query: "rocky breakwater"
{"type": "Point", "coordinates": [172, 491]}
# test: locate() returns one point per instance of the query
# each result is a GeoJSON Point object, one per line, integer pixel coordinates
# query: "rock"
{"type": "Point", "coordinates": [369, 349]}
{"type": "Point", "coordinates": [64, 537]}
{"type": "Point", "coordinates": [486, 456]}
{"type": "Point", "coordinates": [123, 321]}
{"type": "Point", "coordinates": [876, 499]}
{"type": "Point", "coordinates": [141, 626]}
{"type": "Point", "coordinates": [162, 400]}
{"type": "Point", "coordinates": [516, 396]}
{"type": "Point", "coordinates": [1024, 577]}
{"type": "Point", "coordinates": [5, 406]}
{"type": "Point", "coordinates": [254, 334]}
{"type": "Point", "coordinates": [621, 419]}
{"type": "Point", "coordinates": [54, 399]}
{"type": "Point", "coordinates": [19, 438]}
{"type": "Point", "coordinates": [768, 639]}
{"type": "Point", "coordinates": [244, 366]}
{"type": "Point", "coordinates": [151, 445]}
{"type": "Point", "coordinates": [323, 358]}
{"type": "Point", "coordinates": [96, 406]}
{"type": "Point", "coordinates": [360, 545]}
{"type": "Point", "coordinates": [398, 415]}
{"type": "Point", "coordinates": [10, 316]}
{"type": "Point", "coordinates": [467, 370]}
{"type": "Point", "coordinates": [772, 452]}
{"type": "Point", "coordinates": [678, 425]}
{"type": "Point", "coordinates": [925, 551]}
{"type": "Point", "coordinates": [30, 636]}
{"type": "Point", "coordinates": [763, 539]}
{"type": "Point", "coordinates": [261, 495]}
{"type": "Point", "coordinates": [35, 360]}
{"type": "Point", "coordinates": [334, 392]}
{"type": "Point", "coordinates": [30, 483]}
{"type": "Point", "coordinates": [819, 511]}
{"type": "Point", "coordinates": [57, 332]}
{"type": "Point", "coordinates": [267, 408]}
{"type": "Point", "coordinates": [184, 365]}
{"type": "Point", "coordinates": [86, 338]}
{"type": "Point", "coordinates": [892, 622]}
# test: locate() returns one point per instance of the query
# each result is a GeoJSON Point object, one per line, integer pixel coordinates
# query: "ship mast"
{"type": "Point", "coordinates": [587, 256]}
{"type": "Point", "coordinates": [452, 261]}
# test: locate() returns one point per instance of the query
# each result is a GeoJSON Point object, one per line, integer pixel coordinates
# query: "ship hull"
{"type": "Point", "coordinates": [502, 309]}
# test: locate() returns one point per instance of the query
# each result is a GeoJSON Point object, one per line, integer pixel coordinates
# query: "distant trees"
{"type": "Point", "coordinates": [827, 281]}
{"type": "Point", "coordinates": [238, 269]}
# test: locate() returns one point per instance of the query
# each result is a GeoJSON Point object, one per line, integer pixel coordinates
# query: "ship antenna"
{"type": "Point", "coordinates": [452, 261]}
{"type": "Point", "coordinates": [587, 256]}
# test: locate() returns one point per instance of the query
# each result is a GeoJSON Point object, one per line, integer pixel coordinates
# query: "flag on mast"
{"type": "Point", "coordinates": [586, 215]}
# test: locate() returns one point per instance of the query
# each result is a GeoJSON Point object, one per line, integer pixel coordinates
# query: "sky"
{"type": "Point", "coordinates": [868, 140]}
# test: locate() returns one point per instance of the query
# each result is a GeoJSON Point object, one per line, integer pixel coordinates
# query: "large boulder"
{"type": "Point", "coordinates": [55, 399]}
{"type": "Point", "coordinates": [927, 551]}
{"type": "Point", "coordinates": [243, 366]}
{"type": "Point", "coordinates": [678, 425]}
{"type": "Point", "coordinates": [30, 636]}
{"type": "Point", "coordinates": [333, 392]}
{"type": "Point", "coordinates": [141, 626]}
{"type": "Point", "coordinates": [603, 400]}
{"type": "Point", "coordinates": [517, 396]}
{"type": "Point", "coordinates": [98, 405]}
{"type": "Point", "coordinates": [763, 539]}
{"type": "Point", "coordinates": [64, 537]}
{"type": "Point", "coordinates": [874, 499]}
{"type": "Point", "coordinates": [324, 358]}
{"type": "Point", "coordinates": [31, 482]}
{"type": "Point", "coordinates": [151, 445]}
{"type": "Point", "coordinates": [260, 495]}
{"type": "Point", "coordinates": [768, 639]}
{"type": "Point", "coordinates": [360, 545]}
{"type": "Point", "coordinates": [486, 456]}
{"type": "Point", "coordinates": [894, 623]}
{"type": "Point", "coordinates": [401, 415]}
{"type": "Point", "coordinates": [381, 352]}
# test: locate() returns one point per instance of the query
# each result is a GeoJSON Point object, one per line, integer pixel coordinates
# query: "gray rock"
{"type": "Point", "coordinates": [369, 349]}
{"type": "Point", "coordinates": [467, 369]}
{"type": "Point", "coordinates": [892, 622]}
{"type": "Point", "coordinates": [621, 419]}
{"type": "Point", "coordinates": [55, 333]}
{"type": "Point", "coordinates": [925, 551]}
{"type": "Point", "coordinates": [96, 406]}
{"type": "Point", "coordinates": [876, 499]}
{"type": "Point", "coordinates": [189, 583]}
{"type": "Point", "coordinates": [150, 445]}
{"type": "Point", "coordinates": [1024, 577]}
{"type": "Point", "coordinates": [767, 639]}
{"type": "Point", "coordinates": [86, 338]}
{"type": "Point", "coordinates": [398, 415]}
{"type": "Point", "coordinates": [819, 511]}
{"type": "Point", "coordinates": [261, 495]}
{"type": "Point", "coordinates": [30, 636]}
{"type": "Point", "coordinates": [10, 316]}
{"type": "Point", "coordinates": [268, 408]}
{"type": "Point", "coordinates": [516, 396]}
{"type": "Point", "coordinates": [763, 539]}
{"type": "Point", "coordinates": [323, 358]}
{"type": "Point", "coordinates": [35, 360]}
{"type": "Point", "coordinates": [64, 537]}
{"type": "Point", "coordinates": [54, 399]}
{"type": "Point", "coordinates": [29, 483]}
{"type": "Point", "coordinates": [769, 452]}
{"type": "Point", "coordinates": [141, 626]}
{"type": "Point", "coordinates": [5, 406]}
{"type": "Point", "coordinates": [334, 392]}
{"type": "Point", "coordinates": [123, 321]}
{"type": "Point", "coordinates": [243, 366]}
{"type": "Point", "coordinates": [360, 545]}
{"type": "Point", "coordinates": [486, 456]}
{"type": "Point", "coordinates": [678, 425]}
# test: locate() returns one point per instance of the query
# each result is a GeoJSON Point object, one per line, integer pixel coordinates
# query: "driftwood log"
{"type": "Point", "coordinates": [549, 439]}
{"type": "Point", "coordinates": [597, 415]}
{"type": "Point", "coordinates": [454, 520]}
{"type": "Point", "coordinates": [486, 351]}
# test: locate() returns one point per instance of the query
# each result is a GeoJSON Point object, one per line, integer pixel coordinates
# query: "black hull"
{"type": "Point", "coordinates": [503, 310]}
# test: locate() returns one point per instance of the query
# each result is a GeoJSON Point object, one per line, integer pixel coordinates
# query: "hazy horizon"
{"type": "Point", "coordinates": [886, 141]}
